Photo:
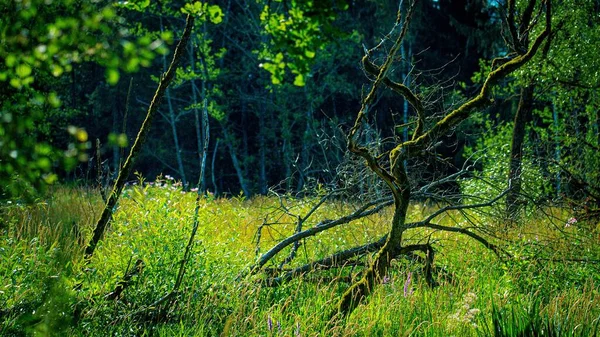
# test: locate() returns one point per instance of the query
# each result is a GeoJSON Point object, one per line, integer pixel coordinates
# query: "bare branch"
{"type": "Point", "coordinates": [406, 149]}
{"type": "Point", "coordinates": [339, 259]}
{"type": "Point", "coordinates": [368, 102]}
{"type": "Point", "coordinates": [497, 250]}
{"type": "Point", "coordinates": [366, 210]}
{"type": "Point", "coordinates": [402, 90]}
{"type": "Point", "coordinates": [462, 207]}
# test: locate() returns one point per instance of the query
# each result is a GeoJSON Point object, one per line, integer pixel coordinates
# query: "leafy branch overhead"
{"type": "Point", "coordinates": [296, 32]}
{"type": "Point", "coordinates": [213, 12]}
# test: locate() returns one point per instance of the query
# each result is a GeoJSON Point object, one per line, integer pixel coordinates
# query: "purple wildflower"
{"type": "Point", "coordinates": [407, 289]}
{"type": "Point", "coordinates": [386, 279]}
{"type": "Point", "coordinates": [570, 222]}
{"type": "Point", "coordinates": [270, 323]}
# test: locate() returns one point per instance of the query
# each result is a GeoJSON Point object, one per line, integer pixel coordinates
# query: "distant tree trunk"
{"type": "Point", "coordinates": [286, 147]}
{"type": "Point", "coordinates": [236, 164]}
{"type": "Point", "coordinates": [202, 124]}
{"type": "Point", "coordinates": [304, 162]}
{"type": "Point", "coordinates": [197, 119]}
{"type": "Point", "coordinates": [212, 168]}
{"type": "Point", "coordinates": [406, 57]}
{"type": "Point", "coordinates": [522, 117]}
{"type": "Point", "coordinates": [173, 122]}
{"type": "Point", "coordinates": [262, 164]}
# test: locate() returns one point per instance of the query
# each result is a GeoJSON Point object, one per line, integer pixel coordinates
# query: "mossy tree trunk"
{"type": "Point", "coordinates": [125, 171]}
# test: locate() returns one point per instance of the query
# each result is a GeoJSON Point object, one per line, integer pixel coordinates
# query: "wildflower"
{"type": "Point", "coordinates": [195, 189]}
{"type": "Point", "coordinates": [386, 279]}
{"type": "Point", "coordinates": [297, 331]}
{"type": "Point", "coordinates": [407, 289]}
{"type": "Point", "coordinates": [270, 323]}
{"type": "Point", "coordinates": [570, 222]}
{"type": "Point", "coordinates": [466, 313]}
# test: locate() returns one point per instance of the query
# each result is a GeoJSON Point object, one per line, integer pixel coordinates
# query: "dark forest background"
{"type": "Point", "coordinates": [270, 127]}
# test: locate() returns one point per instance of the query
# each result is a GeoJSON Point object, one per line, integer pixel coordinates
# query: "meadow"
{"type": "Point", "coordinates": [550, 286]}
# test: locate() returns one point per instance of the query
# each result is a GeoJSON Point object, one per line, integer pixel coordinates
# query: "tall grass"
{"type": "Point", "coordinates": [478, 295]}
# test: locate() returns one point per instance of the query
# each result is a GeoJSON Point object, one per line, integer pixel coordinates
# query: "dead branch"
{"type": "Point", "coordinates": [337, 260]}
{"type": "Point", "coordinates": [366, 210]}
{"type": "Point", "coordinates": [126, 281]}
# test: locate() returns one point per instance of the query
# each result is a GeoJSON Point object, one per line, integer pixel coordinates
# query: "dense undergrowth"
{"type": "Point", "coordinates": [550, 287]}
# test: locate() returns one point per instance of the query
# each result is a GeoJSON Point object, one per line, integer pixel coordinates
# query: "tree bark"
{"type": "Point", "coordinates": [522, 117]}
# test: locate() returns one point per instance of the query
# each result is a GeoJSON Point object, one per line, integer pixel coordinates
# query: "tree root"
{"type": "Point", "coordinates": [359, 291]}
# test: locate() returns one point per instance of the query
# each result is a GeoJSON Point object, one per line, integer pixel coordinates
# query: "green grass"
{"type": "Point", "coordinates": [41, 264]}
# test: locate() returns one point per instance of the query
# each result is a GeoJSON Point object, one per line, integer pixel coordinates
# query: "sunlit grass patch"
{"type": "Point", "coordinates": [153, 222]}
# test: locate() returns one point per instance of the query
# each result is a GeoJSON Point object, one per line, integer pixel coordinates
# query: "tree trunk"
{"type": "Point", "coordinates": [236, 164]}
{"type": "Point", "coordinates": [522, 117]}
{"type": "Point", "coordinates": [172, 121]}
{"type": "Point", "coordinates": [202, 124]}
{"type": "Point", "coordinates": [392, 247]}
{"type": "Point", "coordinates": [197, 120]}
{"type": "Point", "coordinates": [262, 164]}
{"type": "Point", "coordinates": [212, 168]}
{"type": "Point", "coordinates": [165, 80]}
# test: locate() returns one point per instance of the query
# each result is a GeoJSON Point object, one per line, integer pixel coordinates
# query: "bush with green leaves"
{"type": "Point", "coordinates": [491, 154]}
{"type": "Point", "coordinates": [41, 43]}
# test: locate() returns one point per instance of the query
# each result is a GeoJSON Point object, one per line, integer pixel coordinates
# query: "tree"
{"type": "Point", "coordinates": [390, 165]}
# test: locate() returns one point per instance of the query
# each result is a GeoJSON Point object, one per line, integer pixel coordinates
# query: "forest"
{"type": "Point", "coordinates": [300, 168]}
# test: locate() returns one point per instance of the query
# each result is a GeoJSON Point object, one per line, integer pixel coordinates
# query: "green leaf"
{"type": "Point", "coordinates": [50, 178]}
{"type": "Point", "coordinates": [23, 70]}
{"type": "Point", "coordinates": [310, 54]}
{"type": "Point", "coordinates": [56, 70]}
{"type": "Point", "coordinates": [10, 61]}
{"type": "Point", "coordinates": [16, 83]}
{"type": "Point", "coordinates": [53, 100]}
{"type": "Point", "coordinates": [112, 76]}
{"type": "Point", "coordinates": [299, 80]}
{"type": "Point", "coordinates": [122, 140]}
{"type": "Point", "coordinates": [44, 163]}
{"type": "Point", "coordinates": [215, 14]}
